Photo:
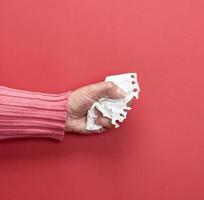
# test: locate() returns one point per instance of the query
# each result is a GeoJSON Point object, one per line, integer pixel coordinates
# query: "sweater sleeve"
{"type": "Point", "coordinates": [32, 114]}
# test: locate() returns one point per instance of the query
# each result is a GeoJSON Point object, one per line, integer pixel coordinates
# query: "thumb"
{"type": "Point", "coordinates": [107, 88]}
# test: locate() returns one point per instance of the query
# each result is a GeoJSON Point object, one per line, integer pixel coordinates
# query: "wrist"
{"type": "Point", "coordinates": [67, 127]}
{"type": "Point", "coordinates": [68, 124]}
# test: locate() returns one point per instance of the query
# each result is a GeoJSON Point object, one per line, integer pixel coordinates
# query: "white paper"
{"type": "Point", "coordinates": [114, 108]}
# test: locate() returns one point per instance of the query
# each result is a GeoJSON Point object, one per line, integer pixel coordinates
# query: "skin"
{"type": "Point", "coordinates": [82, 99]}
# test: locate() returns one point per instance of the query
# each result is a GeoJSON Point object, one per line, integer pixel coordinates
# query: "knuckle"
{"type": "Point", "coordinates": [107, 122]}
{"type": "Point", "coordinates": [109, 86]}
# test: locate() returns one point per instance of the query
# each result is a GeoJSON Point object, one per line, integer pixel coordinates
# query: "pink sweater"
{"type": "Point", "coordinates": [32, 114]}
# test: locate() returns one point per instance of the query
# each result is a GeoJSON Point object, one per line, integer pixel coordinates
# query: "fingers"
{"type": "Point", "coordinates": [104, 122]}
{"type": "Point", "coordinates": [130, 103]}
{"type": "Point", "coordinates": [101, 130]}
{"type": "Point", "coordinates": [108, 88]}
{"type": "Point", "coordinates": [98, 112]}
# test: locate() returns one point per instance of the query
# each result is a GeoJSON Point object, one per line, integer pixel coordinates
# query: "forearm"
{"type": "Point", "coordinates": [32, 114]}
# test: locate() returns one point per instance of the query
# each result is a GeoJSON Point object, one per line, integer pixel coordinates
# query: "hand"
{"type": "Point", "coordinates": [81, 100]}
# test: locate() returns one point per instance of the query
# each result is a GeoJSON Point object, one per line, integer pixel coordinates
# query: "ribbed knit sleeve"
{"type": "Point", "coordinates": [32, 114]}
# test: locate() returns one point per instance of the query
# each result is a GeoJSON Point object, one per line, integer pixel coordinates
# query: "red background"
{"type": "Point", "coordinates": [60, 45]}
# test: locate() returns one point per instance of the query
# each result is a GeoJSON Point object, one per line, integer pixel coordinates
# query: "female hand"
{"type": "Point", "coordinates": [82, 99]}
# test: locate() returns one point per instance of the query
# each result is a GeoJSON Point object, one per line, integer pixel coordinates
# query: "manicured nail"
{"type": "Point", "coordinates": [121, 92]}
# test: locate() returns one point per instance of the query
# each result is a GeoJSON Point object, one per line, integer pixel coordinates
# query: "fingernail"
{"type": "Point", "coordinates": [121, 92]}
